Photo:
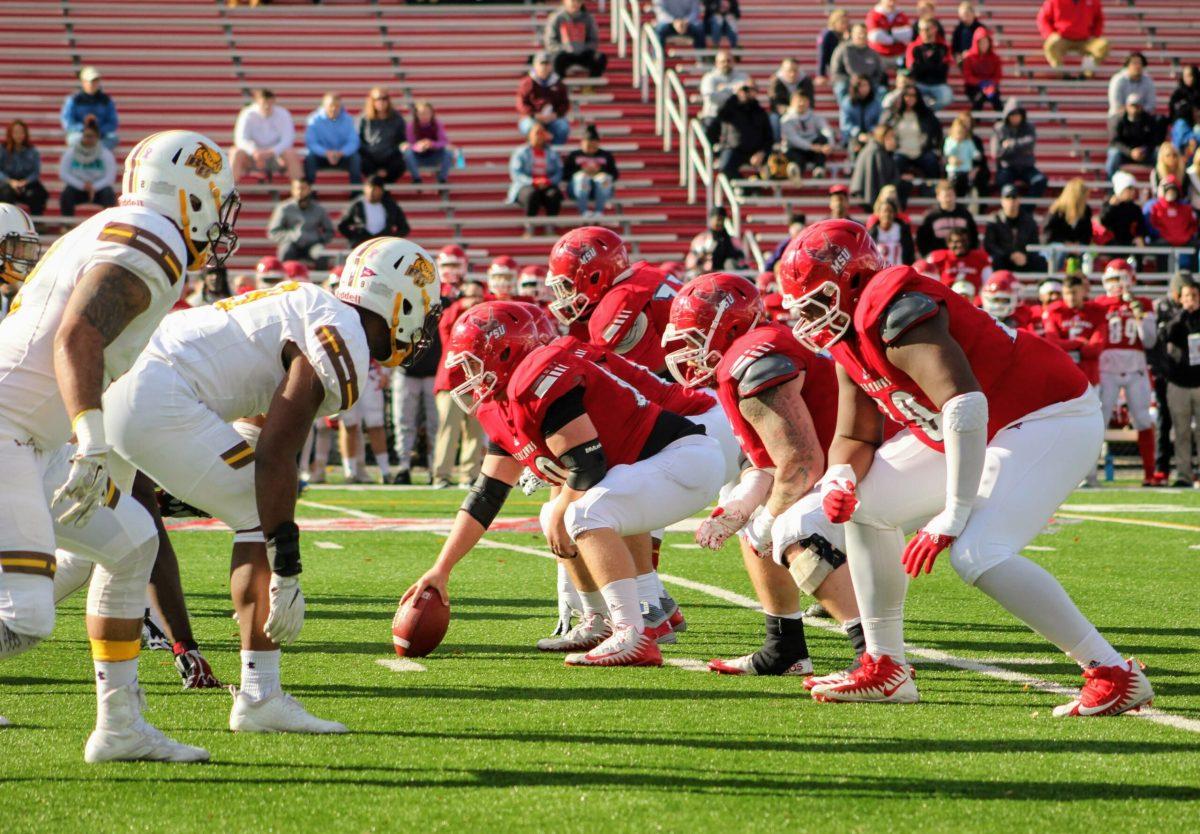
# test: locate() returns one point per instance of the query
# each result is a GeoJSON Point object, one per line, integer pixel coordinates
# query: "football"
{"type": "Point", "coordinates": [420, 624]}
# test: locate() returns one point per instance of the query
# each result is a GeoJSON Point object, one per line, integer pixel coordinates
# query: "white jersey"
{"type": "Point", "coordinates": [230, 353]}
{"type": "Point", "coordinates": [137, 239]}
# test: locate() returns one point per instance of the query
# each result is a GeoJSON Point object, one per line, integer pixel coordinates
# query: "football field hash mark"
{"type": "Point", "coordinates": [688, 664]}
{"type": "Point", "coordinates": [328, 545]}
{"type": "Point", "coordinates": [400, 664]}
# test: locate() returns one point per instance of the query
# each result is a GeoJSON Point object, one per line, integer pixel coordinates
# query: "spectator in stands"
{"type": "Point", "coordinates": [591, 175]}
{"type": "Point", "coordinates": [964, 35]}
{"type": "Point", "coordinates": [935, 228]}
{"type": "Point", "coordinates": [332, 141]}
{"type": "Point", "coordinates": [1133, 137]}
{"type": "Point", "coordinates": [679, 18]}
{"type": "Point", "coordinates": [960, 153]}
{"type": "Point", "coordinates": [875, 167]}
{"type": "Point", "coordinates": [1010, 232]}
{"type": "Point", "coordinates": [860, 113]}
{"type": "Point", "coordinates": [300, 227]}
{"type": "Point", "coordinates": [88, 171]}
{"type": "Point", "coordinates": [888, 30]}
{"type": "Point", "coordinates": [1121, 215]}
{"type": "Point", "coordinates": [1193, 176]}
{"type": "Point", "coordinates": [714, 249]}
{"type": "Point", "coordinates": [455, 426]}
{"type": "Point", "coordinates": [796, 224]}
{"type": "Point", "coordinates": [918, 135]}
{"type": "Point", "coordinates": [839, 202]}
{"type": "Point", "coordinates": [542, 99]}
{"type": "Point", "coordinates": [716, 87]}
{"type": "Point", "coordinates": [928, 62]}
{"type": "Point", "coordinates": [786, 81]}
{"type": "Point", "coordinates": [857, 57]}
{"type": "Point", "coordinates": [1073, 26]}
{"type": "Point", "coordinates": [1014, 146]}
{"type": "Point", "coordinates": [21, 169]}
{"type": "Point", "coordinates": [892, 236]}
{"type": "Point", "coordinates": [535, 170]}
{"type": "Point", "coordinates": [381, 136]}
{"type": "Point", "coordinates": [960, 261]}
{"type": "Point", "coordinates": [807, 139]}
{"type": "Point", "coordinates": [1181, 333]}
{"type": "Point", "coordinates": [721, 21]}
{"type": "Point", "coordinates": [1168, 162]}
{"type": "Point", "coordinates": [426, 144]}
{"type": "Point", "coordinates": [90, 104]}
{"type": "Point", "coordinates": [1186, 93]}
{"type": "Point", "coordinates": [573, 40]}
{"type": "Point", "coordinates": [1170, 221]}
{"type": "Point", "coordinates": [262, 139]}
{"type": "Point", "coordinates": [746, 137]}
{"type": "Point", "coordinates": [1185, 131]}
{"type": "Point", "coordinates": [837, 30]}
{"type": "Point", "coordinates": [982, 70]}
{"type": "Point", "coordinates": [374, 214]}
{"type": "Point", "coordinates": [981, 178]}
{"type": "Point", "coordinates": [1131, 80]}
{"type": "Point", "coordinates": [1069, 219]}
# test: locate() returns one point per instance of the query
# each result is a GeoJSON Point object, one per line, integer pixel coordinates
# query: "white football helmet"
{"type": "Point", "coordinates": [396, 279]}
{"type": "Point", "coordinates": [186, 177]}
{"type": "Point", "coordinates": [20, 246]}
{"type": "Point", "coordinates": [1118, 277]}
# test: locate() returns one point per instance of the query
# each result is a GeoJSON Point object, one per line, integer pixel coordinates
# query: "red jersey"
{"type": "Point", "coordinates": [670, 396]}
{"type": "Point", "coordinates": [632, 316]}
{"type": "Point", "coordinates": [1018, 372]}
{"type": "Point", "coordinates": [1025, 317]}
{"type": "Point", "coordinates": [1078, 331]}
{"type": "Point", "coordinates": [898, 26]}
{"type": "Point", "coordinates": [819, 390]}
{"type": "Point", "coordinates": [1121, 329]}
{"type": "Point", "coordinates": [622, 415]}
{"type": "Point", "coordinates": [975, 266]}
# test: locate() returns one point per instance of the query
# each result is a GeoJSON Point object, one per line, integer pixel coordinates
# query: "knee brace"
{"type": "Point", "coordinates": [118, 589]}
{"type": "Point", "coordinates": [26, 611]}
{"type": "Point", "coordinates": [812, 560]}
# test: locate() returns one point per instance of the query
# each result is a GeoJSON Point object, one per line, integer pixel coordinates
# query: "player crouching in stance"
{"type": "Point", "coordinates": [294, 353]}
{"type": "Point", "coordinates": [782, 403]}
{"type": "Point", "coordinates": [625, 466]}
{"type": "Point", "coordinates": [1001, 426]}
{"type": "Point", "coordinates": [80, 321]}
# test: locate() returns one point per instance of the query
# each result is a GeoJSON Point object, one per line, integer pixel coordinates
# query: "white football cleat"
{"type": "Point", "coordinates": [587, 634]}
{"type": "Point", "coordinates": [277, 713]}
{"type": "Point", "coordinates": [877, 681]}
{"type": "Point", "coordinates": [626, 647]}
{"type": "Point", "coordinates": [1110, 690]}
{"type": "Point", "coordinates": [3, 721]}
{"type": "Point", "coordinates": [123, 735]}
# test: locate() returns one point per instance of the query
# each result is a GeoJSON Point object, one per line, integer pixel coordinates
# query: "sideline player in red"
{"type": "Point", "coordinates": [1077, 326]}
{"type": "Point", "coordinates": [625, 466]}
{"type": "Point", "coordinates": [782, 403]}
{"type": "Point", "coordinates": [1001, 426]}
{"type": "Point", "coordinates": [959, 262]}
{"type": "Point", "coordinates": [502, 279]}
{"type": "Point", "coordinates": [531, 285]}
{"type": "Point", "coordinates": [1001, 298]}
{"type": "Point", "coordinates": [1129, 331]}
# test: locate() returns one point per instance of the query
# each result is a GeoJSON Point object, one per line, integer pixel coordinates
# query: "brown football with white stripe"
{"type": "Point", "coordinates": [420, 624]}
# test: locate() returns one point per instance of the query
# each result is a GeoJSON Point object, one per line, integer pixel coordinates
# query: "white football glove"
{"type": "Point", "coordinates": [722, 523]}
{"type": "Point", "coordinates": [287, 609]}
{"type": "Point", "coordinates": [87, 484]}
{"type": "Point", "coordinates": [758, 532]}
{"type": "Point", "coordinates": [530, 483]}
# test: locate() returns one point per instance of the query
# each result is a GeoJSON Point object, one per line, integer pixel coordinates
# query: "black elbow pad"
{"type": "Point", "coordinates": [485, 498]}
{"type": "Point", "coordinates": [586, 465]}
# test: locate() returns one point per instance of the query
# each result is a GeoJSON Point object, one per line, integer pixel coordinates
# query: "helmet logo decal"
{"type": "Point", "coordinates": [421, 271]}
{"type": "Point", "coordinates": [829, 253]}
{"type": "Point", "coordinates": [206, 160]}
{"type": "Point", "coordinates": [587, 254]}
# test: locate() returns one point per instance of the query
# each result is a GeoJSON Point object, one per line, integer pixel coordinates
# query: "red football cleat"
{"type": "Point", "coordinates": [1110, 690]}
{"type": "Point", "coordinates": [879, 680]}
{"type": "Point", "coordinates": [626, 647]}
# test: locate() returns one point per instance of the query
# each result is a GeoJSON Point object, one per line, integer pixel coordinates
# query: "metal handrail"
{"type": "Point", "coordinates": [725, 195]}
{"type": "Point", "coordinates": [675, 120]}
{"type": "Point", "coordinates": [700, 163]}
{"type": "Point", "coordinates": [1053, 251]}
{"type": "Point", "coordinates": [653, 63]}
{"type": "Point", "coordinates": [629, 24]}
{"type": "Point", "coordinates": [753, 250]}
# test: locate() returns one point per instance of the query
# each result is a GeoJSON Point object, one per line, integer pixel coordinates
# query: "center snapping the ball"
{"type": "Point", "coordinates": [420, 624]}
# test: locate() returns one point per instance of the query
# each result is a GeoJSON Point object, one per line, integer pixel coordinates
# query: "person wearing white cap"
{"type": "Point", "coordinates": [1121, 214]}
{"type": "Point", "coordinates": [87, 105]}
{"type": "Point", "coordinates": [1133, 136]}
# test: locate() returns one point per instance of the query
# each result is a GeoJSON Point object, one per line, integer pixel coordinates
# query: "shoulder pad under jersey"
{"type": "Point", "coordinates": [906, 310]}
{"type": "Point", "coordinates": [763, 373]}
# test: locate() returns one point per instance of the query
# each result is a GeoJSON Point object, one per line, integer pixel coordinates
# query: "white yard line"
{"type": "Point", "coordinates": [328, 545]}
{"type": "Point", "coordinates": [688, 664]}
{"type": "Point", "coordinates": [316, 505]}
{"type": "Point", "coordinates": [400, 664]}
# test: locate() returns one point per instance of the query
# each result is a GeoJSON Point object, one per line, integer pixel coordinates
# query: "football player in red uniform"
{"type": "Point", "coordinates": [1001, 298]}
{"type": "Point", "coordinates": [502, 279]}
{"type": "Point", "coordinates": [452, 267]}
{"type": "Point", "coordinates": [1000, 427]}
{"type": "Point", "coordinates": [959, 262]}
{"type": "Point", "coordinates": [623, 464]}
{"type": "Point", "coordinates": [269, 272]}
{"type": "Point", "coordinates": [781, 401]}
{"type": "Point", "coordinates": [531, 285]}
{"type": "Point", "coordinates": [1129, 331]}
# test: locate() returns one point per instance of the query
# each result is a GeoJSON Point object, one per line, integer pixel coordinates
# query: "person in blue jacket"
{"type": "Point", "coordinates": [332, 140]}
{"type": "Point", "coordinates": [90, 104]}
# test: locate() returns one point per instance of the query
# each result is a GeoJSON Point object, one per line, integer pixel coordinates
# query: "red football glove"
{"type": "Point", "coordinates": [923, 550]}
{"type": "Point", "coordinates": [838, 500]}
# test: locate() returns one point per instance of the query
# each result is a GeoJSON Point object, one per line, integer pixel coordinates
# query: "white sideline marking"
{"type": "Point", "coordinates": [688, 664]}
{"type": "Point", "coordinates": [1136, 522]}
{"type": "Point", "coordinates": [328, 545]}
{"type": "Point", "coordinates": [1040, 549]}
{"type": "Point", "coordinates": [316, 505]}
{"type": "Point", "coordinates": [400, 664]}
{"type": "Point", "coordinates": [1124, 508]}
{"type": "Point", "coordinates": [933, 655]}
{"type": "Point", "coordinates": [686, 546]}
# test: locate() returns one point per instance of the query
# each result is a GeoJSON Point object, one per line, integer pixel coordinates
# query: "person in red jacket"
{"type": "Point", "coordinates": [542, 99]}
{"type": "Point", "coordinates": [1073, 26]}
{"type": "Point", "coordinates": [454, 425]}
{"type": "Point", "coordinates": [1170, 219]}
{"type": "Point", "coordinates": [959, 262]}
{"type": "Point", "coordinates": [982, 70]}
{"type": "Point", "coordinates": [888, 31]}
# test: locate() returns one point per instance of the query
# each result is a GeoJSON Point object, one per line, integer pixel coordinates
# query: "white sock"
{"type": "Point", "coordinates": [381, 460]}
{"type": "Point", "coordinates": [795, 615]}
{"type": "Point", "coordinates": [567, 595]}
{"type": "Point", "coordinates": [624, 607]}
{"type": "Point", "coordinates": [260, 674]}
{"type": "Point", "coordinates": [113, 674]}
{"type": "Point", "coordinates": [1033, 596]}
{"type": "Point", "coordinates": [880, 585]}
{"type": "Point", "coordinates": [647, 590]}
{"type": "Point", "coordinates": [662, 590]}
{"type": "Point", "coordinates": [593, 603]}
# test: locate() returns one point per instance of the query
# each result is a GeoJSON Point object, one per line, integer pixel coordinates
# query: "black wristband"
{"type": "Point", "coordinates": [283, 549]}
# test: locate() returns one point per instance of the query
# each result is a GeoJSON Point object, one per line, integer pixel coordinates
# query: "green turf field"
{"type": "Point", "coordinates": [494, 736]}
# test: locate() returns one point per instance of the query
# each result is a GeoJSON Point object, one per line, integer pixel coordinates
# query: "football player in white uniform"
{"type": "Point", "coordinates": [294, 353]}
{"type": "Point", "coordinates": [80, 321]}
{"type": "Point", "coordinates": [20, 249]}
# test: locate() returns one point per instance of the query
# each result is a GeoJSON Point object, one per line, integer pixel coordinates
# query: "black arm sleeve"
{"type": "Point", "coordinates": [563, 410]}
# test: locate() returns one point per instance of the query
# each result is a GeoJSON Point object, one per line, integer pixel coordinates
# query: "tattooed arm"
{"type": "Point", "coordinates": [781, 418]}
{"type": "Point", "coordinates": [106, 299]}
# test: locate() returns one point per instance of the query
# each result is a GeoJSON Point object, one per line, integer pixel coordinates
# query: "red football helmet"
{"type": "Point", "coordinates": [966, 289]}
{"type": "Point", "coordinates": [452, 264]}
{"type": "Point", "coordinates": [502, 277]}
{"type": "Point", "coordinates": [822, 274]}
{"type": "Point", "coordinates": [767, 282]}
{"type": "Point", "coordinates": [1118, 277]}
{"type": "Point", "coordinates": [531, 283]}
{"type": "Point", "coordinates": [487, 343]}
{"type": "Point", "coordinates": [270, 271]}
{"type": "Point", "coordinates": [295, 271]}
{"type": "Point", "coordinates": [1001, 294]}
{"type": "Point", "coordinates": [334, 277]}
{"type": "Point", "coordinates": [707, 315]}
{"type": "Point", "coordinates": [584, 264]}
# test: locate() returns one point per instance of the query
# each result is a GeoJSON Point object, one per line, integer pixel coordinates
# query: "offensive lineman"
{"type": "Point", "coordinates": [300, 353]}
{"type": "Point", "coordinates": [81, 320]}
